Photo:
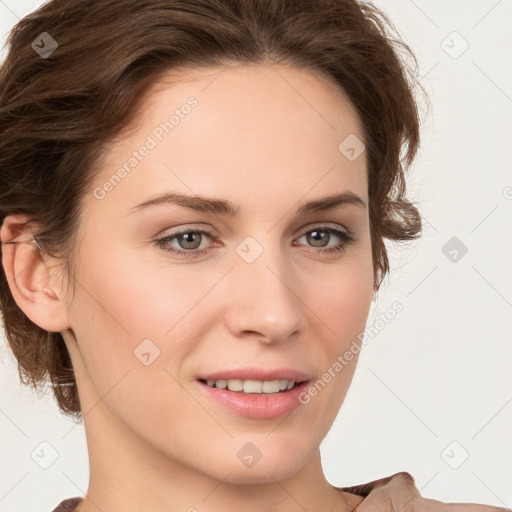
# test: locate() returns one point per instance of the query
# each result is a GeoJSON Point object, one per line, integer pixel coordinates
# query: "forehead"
{"type": "Point", "coordinates": [308, 91]}
{"type": "Point", "coordinates": [242, 94]}
{"type": "Point", "coordinates": [250, 125]}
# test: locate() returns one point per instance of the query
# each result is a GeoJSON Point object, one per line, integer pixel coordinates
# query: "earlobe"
{"type": "Point", "coordinates": [29, 277]}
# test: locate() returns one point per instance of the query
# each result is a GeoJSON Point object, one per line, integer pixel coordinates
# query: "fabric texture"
{"type": "Point", "coordinates": [395, 493]}
{"type": "Point", "coordinates": [68, 505]}
{"type": "Point", "coordinates": [398, 493]}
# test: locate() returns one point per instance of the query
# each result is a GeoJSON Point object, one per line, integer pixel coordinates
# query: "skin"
{"type": "Point", "coordinates": [155, 441]}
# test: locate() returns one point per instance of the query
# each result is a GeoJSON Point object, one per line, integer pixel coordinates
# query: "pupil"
{"type": "Point", "coordinates": [317, 236]}
{"type": "Point", "coordinates": [189, 238]}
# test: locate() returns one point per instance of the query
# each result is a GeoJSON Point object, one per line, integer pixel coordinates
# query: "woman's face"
{"type": "Point", "coordinates": [260, 295]}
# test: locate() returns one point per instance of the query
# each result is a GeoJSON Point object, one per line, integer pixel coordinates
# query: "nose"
{"type": "Point", "coordinates": [264, 300]}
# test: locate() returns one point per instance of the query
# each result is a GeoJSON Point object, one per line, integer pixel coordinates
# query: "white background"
{"type": "Point", "coordinates": [434, 385]}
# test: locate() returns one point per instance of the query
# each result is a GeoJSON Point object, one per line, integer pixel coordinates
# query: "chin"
{"type": "Point", "coordinates": [269, 462]}
{"type": "Point", "coordinates": [262, 473]}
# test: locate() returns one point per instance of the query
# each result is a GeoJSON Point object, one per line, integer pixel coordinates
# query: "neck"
{"type": "Point", "coordinates": [129, 475]}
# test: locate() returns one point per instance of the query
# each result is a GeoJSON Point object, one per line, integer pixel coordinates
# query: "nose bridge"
{"type": "Point", "coordinates": [265, 299]}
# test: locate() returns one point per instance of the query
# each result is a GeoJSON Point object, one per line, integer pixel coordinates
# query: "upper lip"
{"type": "Point", "coordinates": [257, 374]}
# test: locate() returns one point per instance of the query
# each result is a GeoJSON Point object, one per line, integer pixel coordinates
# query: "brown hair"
{"type": "Point", "coordinates": [58, 110]}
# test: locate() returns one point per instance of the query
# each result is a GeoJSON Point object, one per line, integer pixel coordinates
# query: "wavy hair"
{"type": "Point", "coordinates": [58, 110]}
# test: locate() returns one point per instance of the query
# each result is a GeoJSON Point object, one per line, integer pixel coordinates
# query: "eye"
{"type": "Point", "coordinates": [320, 235]}
{"type": "Point", "coordinates": [189, 240]}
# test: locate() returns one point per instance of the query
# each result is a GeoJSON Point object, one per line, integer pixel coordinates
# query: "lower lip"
{"type": "Point", "coordinates": [257, 405]}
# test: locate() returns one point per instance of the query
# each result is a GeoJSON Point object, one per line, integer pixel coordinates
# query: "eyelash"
{"type": "Point", "coordinates": [346, 237]}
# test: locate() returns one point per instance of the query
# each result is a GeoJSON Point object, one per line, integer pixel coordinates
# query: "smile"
{"type": "Point", "coordinates": [254, 399]}
{"type": "Point", "coordinates": [253, 386]}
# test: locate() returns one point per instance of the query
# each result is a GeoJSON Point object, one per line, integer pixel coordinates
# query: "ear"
{"type": "Point", "coordinates": [31, 275]}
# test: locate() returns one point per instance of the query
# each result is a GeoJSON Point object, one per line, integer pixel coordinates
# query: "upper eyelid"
{"type": "Point", "coordinates": [325, 225]}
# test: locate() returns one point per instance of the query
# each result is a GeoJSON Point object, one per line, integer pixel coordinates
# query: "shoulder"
{"type": "Point", "coordinates": [398, 492]}
{"type": "Point", "coordinates": [68, 505]}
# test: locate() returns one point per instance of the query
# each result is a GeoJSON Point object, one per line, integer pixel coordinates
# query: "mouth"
{"type": "Point", "coordinates": [266, 397]}
{"type": "Point", "coordinates": [249, 386]}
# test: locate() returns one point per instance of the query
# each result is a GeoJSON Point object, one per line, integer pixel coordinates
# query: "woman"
{"type": "Point", "coordinates": [195, 197]}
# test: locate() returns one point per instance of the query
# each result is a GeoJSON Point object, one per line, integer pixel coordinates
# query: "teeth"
{"type": "Point", "coordinates": [236, 385]}
{"type": "Point", "coordinates": [252, 386]}
{"type": "Point", "coordinates": [221, 384]}
{"type": "Point", "coordinates": [270, 386]}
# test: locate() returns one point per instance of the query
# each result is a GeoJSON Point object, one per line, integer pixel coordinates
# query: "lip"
{"type": "Point", "coordinates": [253, 373]}
{"type": "Point", "coordinates": [256, 405]}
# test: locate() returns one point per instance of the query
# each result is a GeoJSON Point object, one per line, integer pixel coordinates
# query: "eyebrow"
{"type": "Point", "coordinates": [225, 207]}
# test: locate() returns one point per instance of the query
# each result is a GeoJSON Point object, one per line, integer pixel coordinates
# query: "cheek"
{"type": "Point", "coordinates": [128, 299]}
{"type": "Point", "coordinates": [130, 360]}
{"type": "Point", "coordinates": [342, 300]}
{"type": "Point", "coordinates": [130, 312]}
{"type": "Point", "coordinates": [113, 312]}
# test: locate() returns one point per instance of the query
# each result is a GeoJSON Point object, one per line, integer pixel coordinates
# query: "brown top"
{"type": "Point", "coordinates": [390, 494]}
{"type": "Point", "coordinates": [68, 505]}
{"type": "Point", "coordinates": [398, 492]}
